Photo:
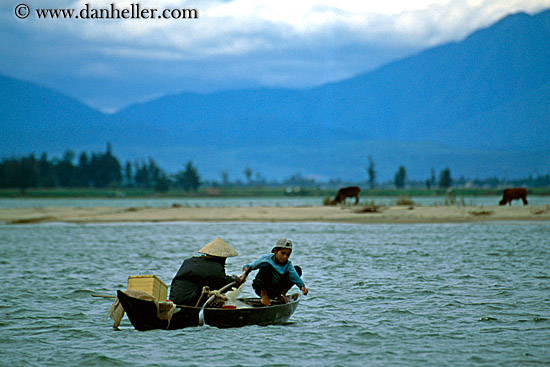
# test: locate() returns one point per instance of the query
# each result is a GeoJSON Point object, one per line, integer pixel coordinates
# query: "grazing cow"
{"type": "Point", "coordinates": [513, 194]}
{"type": "Point", "coordinates": [346, 192]}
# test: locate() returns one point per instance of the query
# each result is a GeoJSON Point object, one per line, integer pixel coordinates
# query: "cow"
{"type": "Point", "coordinates": [513, 194]}
{"type": "Point", "coordinates": [346, 192]}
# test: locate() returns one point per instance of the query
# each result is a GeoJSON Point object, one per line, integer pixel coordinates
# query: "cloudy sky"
{"type": "Point", "coordinates": [109, 63]}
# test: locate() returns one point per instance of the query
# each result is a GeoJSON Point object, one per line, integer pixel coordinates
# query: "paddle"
{"type": "Point", "coordinates": [221, 290]}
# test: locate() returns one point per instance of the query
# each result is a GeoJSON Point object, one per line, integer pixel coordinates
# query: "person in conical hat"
{"type": "Point", "coordinates": [199, 271]}
{"type": "Point", "coordinates": [218, 248]}
{"type": "Point", "coordinates": [276, 274]}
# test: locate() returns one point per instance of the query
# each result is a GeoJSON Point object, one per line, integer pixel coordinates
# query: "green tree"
{"type": "Point", "coordinates": [163, 183]}
{"type": "Point", "coordinates": [83, 169]}
{"type": "Point", "coordinates": [371, 172]}
{"type": "Point", "coordinates": [128, 173]}
{"type": "Point", "coordinates": [189, 178]}
{"type": "Point", "coordinates": [445, 180]}
{"type": "Point", "coordinates": [65, 170]}
{"type": "Point", "coordinates": [141, 177]}
{"type": "Point", "coordinates": [106, 169]}
{"type": "Point", "coordinates": [112, 170]}
{"type": "Point", "coordinates": [400, 177]}
{"type": "Point", "coordinates": [46, 172]}
{"type": "Point", "coordinates": [225, 178]}
{"type": "Point", "coordinates": [29, 171]}
{"type": "Point", "coordinates": [8, 173]}
{"type": "Point", "coordinates": [153, 172]}
{"type": "Point", "coordinates": [248, 173]}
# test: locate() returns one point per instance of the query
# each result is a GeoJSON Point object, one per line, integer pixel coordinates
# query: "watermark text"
{"type": "Point", "coordinates": [133, 11]}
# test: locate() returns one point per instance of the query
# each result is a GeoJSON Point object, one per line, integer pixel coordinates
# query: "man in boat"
{"type": "Point", "coordinates": [276, 274]}
{"type": "Point", "coordinates": [199, 271]}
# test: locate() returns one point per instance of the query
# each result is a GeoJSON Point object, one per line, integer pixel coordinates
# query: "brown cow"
{"type": "Point", "coordinates": [513, 194]}
{"type": "Point", "coordinates": [346, 192]}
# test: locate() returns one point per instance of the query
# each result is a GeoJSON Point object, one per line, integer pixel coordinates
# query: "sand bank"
{"type": "Point", "coordinates": [395, 214]}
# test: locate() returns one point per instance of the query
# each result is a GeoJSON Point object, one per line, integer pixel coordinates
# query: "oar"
{"type": "Point", "coordinates": [102, 296]}
{"type": "Point", "coordinates": [223, 289]}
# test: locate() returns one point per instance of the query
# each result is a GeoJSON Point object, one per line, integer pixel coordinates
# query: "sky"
{"type": "Point", "coordinates": [232, 44]}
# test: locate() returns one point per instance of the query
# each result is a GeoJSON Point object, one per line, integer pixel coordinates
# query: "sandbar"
{"type": "Point", "coordinates": [328, 214]}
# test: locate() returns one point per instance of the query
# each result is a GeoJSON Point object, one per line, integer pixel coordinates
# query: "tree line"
{"type": "Point", "coordinates": [445, 180]}
{"type": "Point", "coordinates": [400, 178]}
{"type": "Point", "coordinates": [103, 169]}
{"type": "Point", "coordinates": [99, 170]}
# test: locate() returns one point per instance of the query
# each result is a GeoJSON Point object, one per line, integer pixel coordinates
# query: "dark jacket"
{"type": "Point", "coordinates": [195, 273]}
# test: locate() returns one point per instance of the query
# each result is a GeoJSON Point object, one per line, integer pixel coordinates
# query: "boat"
{"type": "Point", "coordinates": [143, 313]}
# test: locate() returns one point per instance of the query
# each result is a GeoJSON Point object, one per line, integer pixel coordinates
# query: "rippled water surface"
{"type": "Point", "coordinates": [380, 295]}
{"type": "Point", "coordinates": [7, 203]}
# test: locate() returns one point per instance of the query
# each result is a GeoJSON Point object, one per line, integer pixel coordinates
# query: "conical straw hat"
{"type": "Point", "coordinates": [219, 248]}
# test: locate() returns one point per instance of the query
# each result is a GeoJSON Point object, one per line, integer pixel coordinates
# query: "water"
{"type": "Point", "coordinates": [161, 202]}
{"type": "Point", "coordinates": [246, 201]}
{"type": "Point", "coordinates": [473, 294]}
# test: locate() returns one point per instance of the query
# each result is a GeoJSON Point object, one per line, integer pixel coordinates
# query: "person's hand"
{"type": "Point", "coordinates": [304, 290]}
{"type": "Point", "coordinates": [242, 278]}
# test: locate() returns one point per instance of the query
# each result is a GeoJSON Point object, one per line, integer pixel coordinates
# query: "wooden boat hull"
{"type": "Point", "coordinates": [143, 314]}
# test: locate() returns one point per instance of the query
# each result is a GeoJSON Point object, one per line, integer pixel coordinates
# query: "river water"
{"type": "Point", "coordinates": [9, 203]}
{"type": "Point", "coordinates": [473, 294]}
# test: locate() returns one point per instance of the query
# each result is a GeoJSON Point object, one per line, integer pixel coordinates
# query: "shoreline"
{"type": "Point", "coordinates": [328, 214]}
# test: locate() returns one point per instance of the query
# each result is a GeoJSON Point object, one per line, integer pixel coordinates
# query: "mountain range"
{"type": "Point", "coordinates": [480, 107]}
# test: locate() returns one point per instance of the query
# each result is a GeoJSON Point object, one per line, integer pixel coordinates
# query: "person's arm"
{"type": "Point", "coordinates": [242, 278]}
{"type": "Point", "coordinates": [294, 277]}
{"type": "Point", "coordinates": [254, 264]}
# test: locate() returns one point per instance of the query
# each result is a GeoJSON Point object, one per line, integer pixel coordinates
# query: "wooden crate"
{"type": "Point", "coordinates": [150, 284]}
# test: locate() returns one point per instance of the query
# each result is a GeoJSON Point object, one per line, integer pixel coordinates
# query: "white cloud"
{"type": "Point", "coordinates": [247, 26]}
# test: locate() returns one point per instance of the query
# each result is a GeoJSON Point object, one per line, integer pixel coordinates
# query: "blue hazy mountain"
{"type": "Point", "coordinates": [34, 119]}
{"type": "Point", "coordinates": [480, 107]}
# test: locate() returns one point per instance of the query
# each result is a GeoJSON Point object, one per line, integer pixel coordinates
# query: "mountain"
{"type": "Point", "coordinates": [480, 107]}
{"type": "Point", "coordinates": [459, 94]}
{"type": "Point", "coordinates": [474, 93]}
{"type": "Point", "coordinates": [37, 119]}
